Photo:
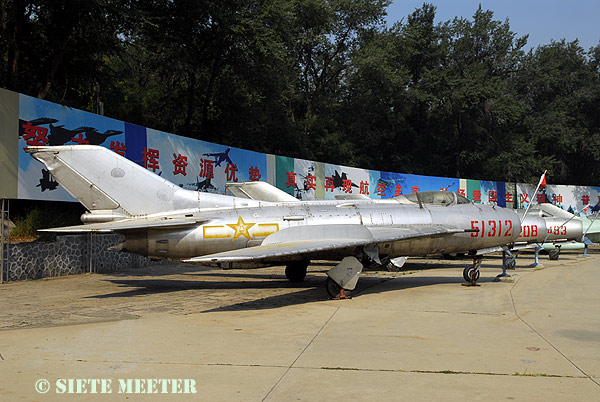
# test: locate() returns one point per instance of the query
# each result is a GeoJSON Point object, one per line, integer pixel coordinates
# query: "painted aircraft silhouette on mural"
{"type": "Point", "coordinates": [221, 157]}
{"type": "Point", "coordinates": [47, 182]}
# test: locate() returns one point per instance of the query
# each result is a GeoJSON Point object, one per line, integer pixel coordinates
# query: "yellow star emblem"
{"type": "Point", "coordinates": [241, 228]}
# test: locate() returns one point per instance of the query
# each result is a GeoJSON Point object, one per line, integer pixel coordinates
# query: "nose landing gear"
{"type": "Point", "coordinates": [471, 273]}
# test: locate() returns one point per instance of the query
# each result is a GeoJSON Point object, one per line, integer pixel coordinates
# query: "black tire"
{"type": "Point", "coordinates": [467, 274]}
{"type": "Point", "coordinates": [553, 254]}
{"type": "Point", "coordinates": [296, 271]}
{"type": "Point", "coordinates": [511, 263]}
{"type": "Point", "coordinates": [391, 267]}
{"type": "Point", "coordinates": [333, 289]}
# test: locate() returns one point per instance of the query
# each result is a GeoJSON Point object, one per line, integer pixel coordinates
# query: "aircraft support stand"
{"type": "Point", "coordinates": [536, 262]}
{"type": "Point", "coordinates": [505, 263]}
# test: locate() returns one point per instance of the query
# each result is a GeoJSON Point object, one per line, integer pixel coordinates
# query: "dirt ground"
{"type": "Point", "coordinates": [185, 289]}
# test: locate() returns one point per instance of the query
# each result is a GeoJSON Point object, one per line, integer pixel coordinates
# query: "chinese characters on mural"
{"type": "Point", "coordinates": [47, 131]}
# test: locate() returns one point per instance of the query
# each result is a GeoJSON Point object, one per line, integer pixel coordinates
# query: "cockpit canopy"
{"type": "Point", "coordinates": [444, 198]}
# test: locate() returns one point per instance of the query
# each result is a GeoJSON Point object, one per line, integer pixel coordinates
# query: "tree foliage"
{"type": "Point", "coordinates": [320, 79]}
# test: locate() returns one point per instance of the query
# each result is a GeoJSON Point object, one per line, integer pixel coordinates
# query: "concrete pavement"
{"type": "Point", "coordinates": [416, 337]}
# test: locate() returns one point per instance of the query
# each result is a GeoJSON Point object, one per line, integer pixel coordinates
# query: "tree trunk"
{"type": "Point", "coordinates": [191, 104]}
{"type": "Point", "coordinates": [14, 27]}
{"type": "Point", "coordinates": [56, 60]}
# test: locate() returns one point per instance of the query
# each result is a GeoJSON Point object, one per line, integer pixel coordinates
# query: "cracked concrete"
{"type": "Point", "coordinates": [250, 336]}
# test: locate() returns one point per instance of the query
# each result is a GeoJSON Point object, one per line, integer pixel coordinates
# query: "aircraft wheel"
{"type": "Point", "coordinates": [467, 273]}
{"type": "Point", "coordinates": [391, 267]}
{"type": "Point", "coordinates": [510, 264]}
{"type": "Point", "coordinates": [296, 271]}
{"type": "Point", "coordinates": [553, 254]}
{"type": "Point", "coordinates": [333, 289]}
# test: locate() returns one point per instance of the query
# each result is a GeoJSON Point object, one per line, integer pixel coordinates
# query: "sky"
{"type": "Point", "coordinates": [543, 20]}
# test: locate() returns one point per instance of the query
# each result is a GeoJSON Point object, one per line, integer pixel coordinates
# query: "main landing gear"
{"type": "Point", "coordinates": [554, 254]}
{"type": "Point", "coordinates": [343, 278]}
{"type": "Point", "coordinates": [296, 271]}
{"type": "Point", "coordinates": [335, 291]}
{"type": "Point", "coordinates": [340, 279]}
{"type": "Point", "coordinates": [471, 273]}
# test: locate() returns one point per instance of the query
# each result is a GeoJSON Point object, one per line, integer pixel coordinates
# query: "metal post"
{"type": "Point", "coordinates": [90, 237]}
{"type": "Point", "coordinates": [503, 274]}
{"type": "Point", "coordinates": [2, 245]}
{"type": "Point", "coordinates": [536, 262]}
{"type": "Point", "coordinates": [4, 241]}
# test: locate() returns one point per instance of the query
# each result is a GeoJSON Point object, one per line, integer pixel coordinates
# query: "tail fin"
{"type": "Point", "coordinates": [104, 180]}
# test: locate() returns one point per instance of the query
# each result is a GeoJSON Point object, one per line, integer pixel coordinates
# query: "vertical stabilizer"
{"type": "Point", "coordinates": [104, 180]}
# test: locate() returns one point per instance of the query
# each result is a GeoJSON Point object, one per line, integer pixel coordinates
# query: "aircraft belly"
{"type": "Point", "coordinates": [166, 243]}
{"type": "Point", "coordinates": [420, 247]}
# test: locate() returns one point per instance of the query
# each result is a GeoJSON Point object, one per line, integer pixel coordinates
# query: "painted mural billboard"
{"type": "Point", "coordinates": [204, 166]}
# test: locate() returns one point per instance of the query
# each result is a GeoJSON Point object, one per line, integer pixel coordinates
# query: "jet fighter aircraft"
{"type": "Point", "coordinates": [264, 226]}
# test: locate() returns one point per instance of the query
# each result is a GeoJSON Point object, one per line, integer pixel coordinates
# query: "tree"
{"type": "Point", "coordinates": [559, 83]}
{"type": "Point", "coordinates": [56, 48]}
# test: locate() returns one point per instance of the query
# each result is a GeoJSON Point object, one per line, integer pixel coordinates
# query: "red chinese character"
{"type": "Point", "coordinates": [179, 162]}
{"type": "Point", "coordinates": [310, 182]}
{"type": "Point", "coordinates": [462, 192]}
{"type": "Point", "coordinates": [541, 197]}
{"type": "Point", "coordinates": [347, 185]}
{"type": "Point", "coordinates": [557, 198]}
{"type": "Point", "coordinates": [118, 147]}
{"type": "Point", "coordinates": [79, 139]}
{"type": "Point", "coordinates": [524, 199]}
{"type": "Point", "coordinates": [492, 196]}
{"type": "Point", "coordinates": [508, 197]}
{"type": "Point", "coordinates": [398, 190]}
{"type": "Point", "coordinates": [35, 135]}
{"type": "Point", "coordinates": [230, 170]}
{"type": "Point", "coordinates": [477, 195]}
{"type": "Point", "coordinates": [206, 168]}
{"type": "Point", "coordinates": [151, 159]}
{"type": "Point", "coordinates": [329, 184]}
{"type": "Point", "coordinates": [253, 174]}
{"type": "Point", "coordinates": [380, 189]}
{"type": "Point", "coordinates": [364, 187]}
{"type": "Point", "coordinates": [585, 199]}
{"type": "Point", "coordinates": [291, 179]}
{"type": "Point", "coordinates": [415, 189]}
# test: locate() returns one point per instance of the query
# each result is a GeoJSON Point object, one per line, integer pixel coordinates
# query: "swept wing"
{"type": "Point", "coordinates": [289, 244]}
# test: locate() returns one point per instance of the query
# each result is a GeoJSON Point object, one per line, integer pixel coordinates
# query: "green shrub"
{"type": "Point", "coordinates": [47, 216]}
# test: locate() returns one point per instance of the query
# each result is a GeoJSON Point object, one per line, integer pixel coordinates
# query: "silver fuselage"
{"type": "Point", "coordinates": [220, 230]}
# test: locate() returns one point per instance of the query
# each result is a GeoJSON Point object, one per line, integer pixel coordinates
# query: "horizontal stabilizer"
{"type": "Point", "coordinates": [128, 224]}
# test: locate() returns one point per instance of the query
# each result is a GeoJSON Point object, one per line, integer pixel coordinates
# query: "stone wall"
{"type": "Point", "coordinates": [69, 255]}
